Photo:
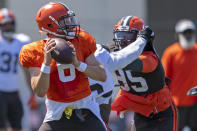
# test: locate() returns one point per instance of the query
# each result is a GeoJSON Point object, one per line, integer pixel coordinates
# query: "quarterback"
{"type": "Point", "coordinates": [66, 86]}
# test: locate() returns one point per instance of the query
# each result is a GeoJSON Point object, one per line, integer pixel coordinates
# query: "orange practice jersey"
{"type": "Point", "coordinates": [181, 66]}
{"type": "Point", "coordinates": [66, 83]}
{"type": "Point", "coordinates": [144, 104]}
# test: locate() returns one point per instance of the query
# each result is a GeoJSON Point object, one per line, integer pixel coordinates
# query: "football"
{"type": "Point", "coordinates": [62, 52]}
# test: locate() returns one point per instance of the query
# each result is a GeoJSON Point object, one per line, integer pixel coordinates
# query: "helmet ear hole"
{"type": "Point", "coordinates": [50, 25]}
{"type": "Point", "coordinates": [39, 14]}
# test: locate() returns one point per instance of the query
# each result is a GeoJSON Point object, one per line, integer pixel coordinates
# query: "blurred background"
{"type": "Point", "coordinates": [98, 17]}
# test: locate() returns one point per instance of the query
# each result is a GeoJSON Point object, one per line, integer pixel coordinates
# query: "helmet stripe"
{"type": "Point", "coordinates": [64, 6]}
{"type": "Point", "coordinates": [7, 17]}
{"type": "Point", "coordinates": [127, 20]}
{"type": "Point", "coordinates": [122, 22]}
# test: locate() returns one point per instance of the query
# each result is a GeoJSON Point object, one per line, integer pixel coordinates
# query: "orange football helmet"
{"type": "Point", "coordinates": [126, 30]}
{"type": "Point", "coordinates": [57, 19]}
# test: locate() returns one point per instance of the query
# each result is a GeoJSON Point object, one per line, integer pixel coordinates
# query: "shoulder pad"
{"type": "Point", "coordinates": [23, 38]}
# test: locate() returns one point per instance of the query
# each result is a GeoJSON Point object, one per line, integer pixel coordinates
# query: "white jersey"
{"type": "Point", "coordinates": [100, 88]}
{"type": "Point", "coordinates": [9, 63]}
{"type": "Point", "coordinates": [111, 62]}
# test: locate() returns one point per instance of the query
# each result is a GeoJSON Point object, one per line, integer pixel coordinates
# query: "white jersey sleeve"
{"type": "Point", "coordinates": [122, 58]}
{"type": "Point", "coordinates": [102, 57]}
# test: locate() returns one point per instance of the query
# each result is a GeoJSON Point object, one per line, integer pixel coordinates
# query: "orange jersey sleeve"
{"type": "Point", "coordinates": [31, 55]}
{"type": "Point", "coordinates": [90, 44]}
{"type": "Point", "coordinates": [146, 62]}
{"type": "Point", "coordinates": [149, 61]}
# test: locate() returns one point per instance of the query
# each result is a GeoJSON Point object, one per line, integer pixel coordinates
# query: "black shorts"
{"type": "Point", "coordinates": [166, 120]}
{"type": "Point", "coordinates": [11, 110]}
{"type": "Point", "coordinates": [188, 117]}
{"type": "Point", "coordinates": [105, 110]}
{"type": "Point", "coordinates": [89, 122]}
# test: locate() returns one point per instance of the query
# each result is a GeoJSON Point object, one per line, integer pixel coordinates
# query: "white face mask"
{"type": "Point", "coordinates": [71, 35]}
{"type": "Point", "coordinates": [185, 43]}
{"type": "Point", "coordinates": [8, 35]}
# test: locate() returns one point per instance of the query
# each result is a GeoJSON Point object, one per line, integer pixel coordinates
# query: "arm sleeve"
{"type": "Point", "coordinates": [122, 58]}
{"type": "Point", "coordinates": [166, 61]}
{"type": "Point", "coordinates": [90, 45]}
{"type": "Point", "coordinates": [30, 58]}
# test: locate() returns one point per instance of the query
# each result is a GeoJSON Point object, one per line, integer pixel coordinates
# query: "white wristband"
{"type": "Point", "coordinates": [82, 67]}
{"type": "Point", "coordinates": [45, 69]}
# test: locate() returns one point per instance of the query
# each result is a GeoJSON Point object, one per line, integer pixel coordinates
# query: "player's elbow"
{"type": "Point", "coordinates": [103, 78]}
{"type": "Point", "coordinates": [39, 93]}
{"type": "Point", "coordinates": [103, 75]}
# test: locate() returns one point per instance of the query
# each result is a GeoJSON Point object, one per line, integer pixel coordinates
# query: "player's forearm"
{"type": "Point", "coordinates": [40, 84]}
{"type": "Point", "coordinates": [96, 73]}
{"type": "Point", "coordinates": [127, 55]}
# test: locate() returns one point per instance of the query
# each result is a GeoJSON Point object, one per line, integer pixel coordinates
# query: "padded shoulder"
{"type": "Point", "coordinates": [32, 55]}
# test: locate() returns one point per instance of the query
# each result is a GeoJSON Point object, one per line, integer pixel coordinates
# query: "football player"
{"type": "Point", "coordinates": [177, 59]}
{"type": "Point", "coordinates": [114, 61]}
{"type": "Point", "coordinates": [66, 86]}
{"type": "Point", "coordinates": [143, 89]}
{"type": "Point", "coordinates": [10, 44]}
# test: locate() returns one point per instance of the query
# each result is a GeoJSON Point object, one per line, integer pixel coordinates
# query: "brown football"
{"type": "Point", "coordinates": [63, 52]}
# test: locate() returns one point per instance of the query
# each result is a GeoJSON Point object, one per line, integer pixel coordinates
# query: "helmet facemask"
{"type": "Point", "coordinates": [124, 38]}
{"type": "Point", "coordinates": [8, 30]}
{"type": "Point", "coordinates": [69, 25]}
{"type": "Point", "coordinates": [187, 39]}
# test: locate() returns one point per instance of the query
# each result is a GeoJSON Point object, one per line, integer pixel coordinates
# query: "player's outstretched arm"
{"type": "Point", "coordinates": [122, 58]}
{"type": "Point", "coordinates": [127, 55]}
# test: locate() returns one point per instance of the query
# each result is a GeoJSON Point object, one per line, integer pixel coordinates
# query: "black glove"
{"type": "Point", "coordinates": [147, 34]}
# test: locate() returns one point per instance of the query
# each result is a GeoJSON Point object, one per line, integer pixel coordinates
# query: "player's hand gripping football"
{"type": "Point", "coordinates": [75, 61]}
{"type": "Point", "coordinates": [49, 46]}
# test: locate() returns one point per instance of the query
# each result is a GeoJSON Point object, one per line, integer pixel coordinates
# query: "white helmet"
{"type": "Point", "coordinates": [184, 25]}
{"type": "Point", "coordinates": [185, 30]}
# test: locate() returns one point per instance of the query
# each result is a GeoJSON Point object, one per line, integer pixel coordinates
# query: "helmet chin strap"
{"type": "Point", "coordinates": [50, 32]}
{"type": "Point", "coordinates": [70, 35]}
{"type": "Point", "coordinates": [185, 43]}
